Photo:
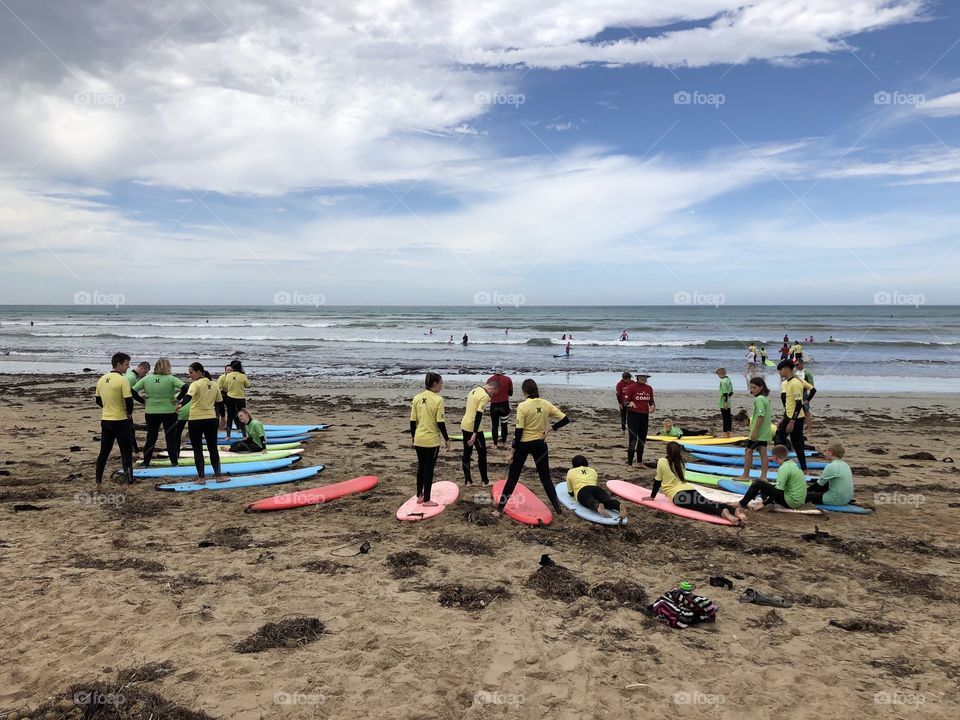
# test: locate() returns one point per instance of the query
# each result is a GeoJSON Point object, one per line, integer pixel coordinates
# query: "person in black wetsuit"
{"type": "Point", "coordinates": [530, 438]}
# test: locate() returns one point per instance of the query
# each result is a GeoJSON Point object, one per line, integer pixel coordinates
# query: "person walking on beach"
{"type": "Point", "coordinates": [500, 406]}
{"type": "Point", "coordinates": [530, 438]}
{"type": "Point", "coordinates": [160, 389]}
{"type": "Point", "coordinates": [114, 395]}
{"type": "Point", "coordinates": [133, 377]}
{"type": "Point", "coordinates": [806, 376]}
{"type": "Point", "coordinates": [625, 381]}
{"type": "Point", "coordinates": [640, 404]}
{"type": "Point", "coordinates": [761, 429]}
{"type": "Point", "coordinates": [206, 417]}
{"type": "Point", "coordinates": [726, 392]}
{"type": "Point", "coordinates": [477, 400]}
{"type": "Point", "coordinates": [790, 428]}
{"type": "Point", "coordinates": [427, 425]}
{"type": "Point", "coordinates": [233, 386]}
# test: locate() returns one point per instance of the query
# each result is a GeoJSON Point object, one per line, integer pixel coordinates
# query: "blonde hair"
{"type": "Point", "coordinates": [162, 367]}
{"type": "Point", "coordinates": [837, 450]}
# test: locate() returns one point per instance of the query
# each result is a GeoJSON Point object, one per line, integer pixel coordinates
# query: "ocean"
{"type": "Point", "coordinates": [878, 348]}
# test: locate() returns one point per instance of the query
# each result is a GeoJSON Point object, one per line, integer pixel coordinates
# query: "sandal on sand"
{"type": "Point", "coordinates": [752, 596]}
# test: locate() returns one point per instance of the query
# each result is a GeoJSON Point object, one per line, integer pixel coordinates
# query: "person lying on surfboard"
{"type": "Point", "coordinates": [790, 490]}
{"type": "Point", "coordinates": [670, 479]}
{"type": "Point", "coordinates": [678, 432]}
{"type": "Point", "coordinates": [583, 484]}
{"type": "Point", "coordinates": [256, 439]}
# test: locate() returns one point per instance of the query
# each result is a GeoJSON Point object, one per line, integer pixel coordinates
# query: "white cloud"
{"type": "Point", "coordinates": [943, 106]}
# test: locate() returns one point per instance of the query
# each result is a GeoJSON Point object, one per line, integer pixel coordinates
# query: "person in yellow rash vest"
{"type": "Point", "coordinates": [116, 398]}
{"type": "Point", "coordinates": [427, 425]}
{"type": "Point", "coordinates": [670, 479]}
{"type": "Point", "coordinates": [583, 484]}
{"type": "Point", "coordinates": [477, 400]}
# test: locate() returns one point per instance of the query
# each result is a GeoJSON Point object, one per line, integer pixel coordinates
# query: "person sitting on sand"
{"type": "Point", "coordinates": [670, 479]}
{"type": "Point", "coordinates": [835, 485]}
{"type": "Point", "coordinates": [790, 490]}
{"type": "Point", "coordinates": [583, 484]}
{"type": "Point", "coordinates": [672, 430]}
{"type": "Point", "coordinates": [761, 430]}
{"type": "Point", "coordinates": [427, 424]}
{"type": "Point", "coordinates": [256, 439]}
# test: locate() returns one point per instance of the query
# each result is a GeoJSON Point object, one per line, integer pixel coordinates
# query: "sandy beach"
{"type": "Point", "coordinates": [462, 628]}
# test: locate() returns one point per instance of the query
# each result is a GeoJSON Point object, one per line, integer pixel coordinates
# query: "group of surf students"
{"type": "Point", "coordinates": [203, 406]}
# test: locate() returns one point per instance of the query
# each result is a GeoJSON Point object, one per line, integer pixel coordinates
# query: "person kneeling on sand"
{"type": "Point", "coordinates": [835, 485]}
{"type": "Point", "coordinates": [790, 490]}
{"type": "Point", "coordinates": [256, 439]}
{"type": "Point", "coordinates": [670, 479]}
{"type": "Point", "coordinates": [583, 484]}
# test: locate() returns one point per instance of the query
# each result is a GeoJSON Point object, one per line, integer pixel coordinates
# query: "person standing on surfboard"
{"type": "Point", "coordinates": [114, 395]}
{"type": "Point", "coordinates": [500, 405]}
{"type": "Point", "coordinates": [207, 415]}
{"type": "Point", "coordinates": [640, 404]}
{"type": "Point", "coordinates": [477, 400]}
{"type": "Point", "coordinates": [726, 392]}
{"type": "Point", "coordinates": [427, 424]}
{"type": "Point", "coordinates": [530, 438]}
{"type": "Point", "coordinates": [626, 379]}
{"type": "Point", "coordinates": [670, 478]}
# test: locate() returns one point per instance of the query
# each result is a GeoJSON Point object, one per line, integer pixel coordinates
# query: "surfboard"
{"type": "Point", "coordinates": [271, 447]}
{"type": "Point", "coordinates": [443, 493]}
{"type": "Point", "coordinates": [733, 460]}
{"type": "Point", "coordinates": [671, 438]}
{"type": "Point", "coordinates": [236, 437]}
{"type": "Point", "coordinates": [278, 436]}
{"type": "Point", "coordinates": [228, 469]}
{"type": "Point", "coordinates": [641, 496]}
{"type": "Point", "coordinates": [570, 502]}
{"type": "Point", "coordinates": [854, 509]}
{"type": "Point", "coordinates": [243, 481]}
{"type": "Point", "coordinates": [294, 429]}
{"type": "Point", "coordinates": [226, 458]}
{"type": "Point", "coordinates": [738, 451]}
{"type": "Point", "coordinates": [523, 506]}
{"type": "Point", "coordinates": [487, 435]}
{"type": "Point", "coordinates": [730, 472]}
{"type": "Point", "coordinates": [314, 496]}
{"type": "Point", "coordinates": [769, 363]}
{"type": "Point", "coordinates": [701, 478]}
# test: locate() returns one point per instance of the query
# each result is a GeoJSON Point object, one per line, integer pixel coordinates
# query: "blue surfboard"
{"type": "Point", "coordinates": [226, 469]}
{"type": "Point", "coordinates": [734, 460]}
{"type": "Point", "coordinates": [243, 481]}
{"type": "Point", "coordinates": [727, 450]}
{"type": "Point", "coordinates": [570, 502]}
{"type": "Point", "coordinates": [733, 472]}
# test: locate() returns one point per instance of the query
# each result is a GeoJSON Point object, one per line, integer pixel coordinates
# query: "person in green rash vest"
{"type": "Point", "coordinates": [761, 429]}
{"type": "Point", "coordinates": [726, 392]}
{"type": "Point", "coordinates": [256, 439]}
{"type": "Point", "coordinates": [160, 389]}
{"type": "Point", "coordinates": [133, 377]}
{"type": "Point", "coordinates": [790, 490]}
{"type": "Point", "coordinates": [676, 431]}
{"type": "Point", "coordinates": [835, 485]}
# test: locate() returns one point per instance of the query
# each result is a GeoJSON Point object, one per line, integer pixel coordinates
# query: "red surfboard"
{"type": "Point", "coordinates": [523, 506]}
{"type": "Point", "coordinates": [315, 496]}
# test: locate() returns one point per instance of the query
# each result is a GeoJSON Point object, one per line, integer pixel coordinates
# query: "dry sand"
{"type": "Point", "coordinates": [92, 589]}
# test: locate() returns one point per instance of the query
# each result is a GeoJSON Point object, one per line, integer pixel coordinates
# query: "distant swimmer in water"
{"type": "Point", "coordinates": [450, 340]}
{"type": "Point", "coordinates": [465, 340]}
{"type": "Point", "coordinates": [567, 349]}
{"type": "Point", "coordinates": [506, 331]}
{"type": "Point", "coordinates": [784, 351]}
{"type": "Point", "coordinates": [563, 337]}
{"type": "Point", "coordinates": [623, 336]}
{"type": "Point", "coordinates": [431, 332]}
{"type": "Point", "coordinates": [831, 339]}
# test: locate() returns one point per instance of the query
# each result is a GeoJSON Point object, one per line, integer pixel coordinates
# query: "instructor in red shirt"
{"type": "Point", "coordinates": [500, 405]}
{"type": "Point", "coordinates": [640, 404]}
{"type": "Point", "coordinates": [622, 386]}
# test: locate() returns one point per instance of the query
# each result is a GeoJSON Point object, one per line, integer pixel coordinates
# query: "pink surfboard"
{"type": "Point", "coordinates": [523, 506]}
{"type": "Point", "coordinates": [641, 496]}
{"type": "Point", "coordinates": [443, 493]}
{"type": "Point", "coordinates": [315, 496]}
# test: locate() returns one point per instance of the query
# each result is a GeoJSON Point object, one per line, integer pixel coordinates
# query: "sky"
{"type": "Point", "coordinates": [453, 152]}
